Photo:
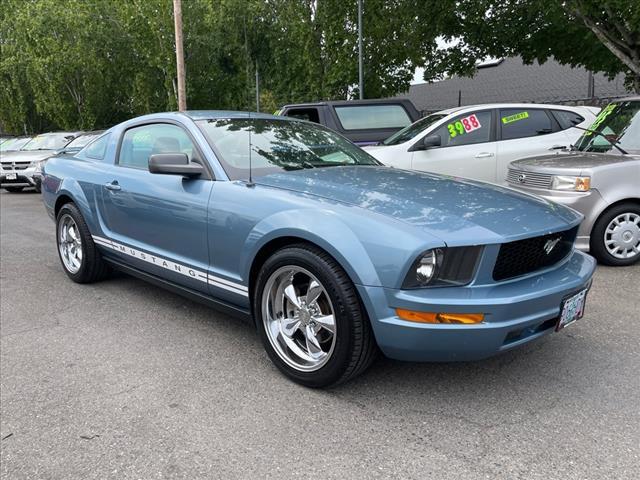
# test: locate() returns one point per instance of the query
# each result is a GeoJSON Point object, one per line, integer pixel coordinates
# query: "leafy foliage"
{"type": "Point", "coordinates": [600, 35]}
{"type": "Point", "coordinates": [90, 64]}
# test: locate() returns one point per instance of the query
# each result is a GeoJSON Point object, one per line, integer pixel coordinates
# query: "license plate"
{"type": "Point", "coordinates": [572, 309]}
{"type": "Point", "coordinates": [11, 176]}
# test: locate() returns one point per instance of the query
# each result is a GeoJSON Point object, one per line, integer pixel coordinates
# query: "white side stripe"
{"type": "Point", "coordinates": [173, 266]}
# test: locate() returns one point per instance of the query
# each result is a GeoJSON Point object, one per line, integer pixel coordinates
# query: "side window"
{"type": "Point", "coordinates": [310, 114]}
{"type": "Point", "coordinates": [567, 119]}
{"type": "Point", "coordinates": [139, 143]}
{"type": "Point", "coordinates": [523, 122]}
{"type": "Point", "coordinates": [97, 148]}
{"type": "Point", "coordinates": [466, 129]}
{"type": "Point", "coordinates": [360, 117]}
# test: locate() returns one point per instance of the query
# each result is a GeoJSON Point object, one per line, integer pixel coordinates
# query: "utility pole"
{"type": "Point", "coordinates": [177, 16]}
{"type": "Point", "coordinates": [257, 88]}
{"type": "Point", "coordinates": [360, 69]}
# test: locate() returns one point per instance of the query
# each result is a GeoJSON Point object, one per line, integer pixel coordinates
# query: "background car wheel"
{"type": "Point", "coordinates": [310, 318]}
{"type": "Point", "coordinates": [615, 239]}
{"type": "Point", "coordinates": [80, 258]}
{"type": "Point", "coordinates": [13, 189]}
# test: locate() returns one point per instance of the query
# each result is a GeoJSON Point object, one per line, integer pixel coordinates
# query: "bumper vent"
{"type": "Point", "coordinates": [525, 256]}
{"type": "Point", "coordinates": [529, 179]}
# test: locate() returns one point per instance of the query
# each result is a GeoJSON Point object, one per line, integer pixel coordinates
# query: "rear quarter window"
{"type": "Point", "coordinates": [97, 149]}
{"type": "Point", "coordinates": [361, 117]}
{"type": "Point", "coordinates": [567, 119]}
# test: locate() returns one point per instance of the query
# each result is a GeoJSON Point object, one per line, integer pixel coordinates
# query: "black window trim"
{"type": "Point", "coordinates": [492, 129]}
{"type": "Point", "coordinates": [208, 174]}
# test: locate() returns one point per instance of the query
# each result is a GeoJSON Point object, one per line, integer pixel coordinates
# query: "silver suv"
{"type": "Point", "coordinates": [19, 169]}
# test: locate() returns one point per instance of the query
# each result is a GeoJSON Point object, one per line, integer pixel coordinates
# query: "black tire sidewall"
{"type": "Point", "coordinates": [70, 209]}
{"type": "Point", "coordinates": [596, 241]}
{"type": "Point", "coordinates": [345, 316]}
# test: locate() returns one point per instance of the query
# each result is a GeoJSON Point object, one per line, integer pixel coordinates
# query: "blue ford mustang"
{"type": "Point", "coordinates": [333, 255]}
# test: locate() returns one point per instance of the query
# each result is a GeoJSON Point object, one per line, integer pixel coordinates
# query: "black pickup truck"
{"type": "Point", "coordinates": [364, 122]}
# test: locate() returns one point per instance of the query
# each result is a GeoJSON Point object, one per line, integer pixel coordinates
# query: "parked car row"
{"type": "Point", "coordinates": [21, 158]}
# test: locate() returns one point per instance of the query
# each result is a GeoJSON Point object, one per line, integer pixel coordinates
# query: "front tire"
{"type": "Point", "coordinates": [310, 318]}
{"type": "Point", "coordinates": [615, 238]}
{"type": "Point", "coordinates": [78, 254]}
{"type": "Point", "coordinates": [13, 189]}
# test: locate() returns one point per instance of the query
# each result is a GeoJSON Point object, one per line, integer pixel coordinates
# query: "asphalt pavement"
{"type": "Point", "coordinates": [123, 380]}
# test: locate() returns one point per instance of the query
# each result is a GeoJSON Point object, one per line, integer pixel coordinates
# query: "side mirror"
{"type": "Point", "coordinates": [430, 141]}
{"type": "Point", "coordinates": [174, 164]}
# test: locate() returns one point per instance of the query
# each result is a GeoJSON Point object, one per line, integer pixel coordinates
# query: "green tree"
{"type": "Point", "coordinates": [600, 35]}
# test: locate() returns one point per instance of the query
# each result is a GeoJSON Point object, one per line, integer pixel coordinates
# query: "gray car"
{"type": "Point", "coordinates": [599, 177]}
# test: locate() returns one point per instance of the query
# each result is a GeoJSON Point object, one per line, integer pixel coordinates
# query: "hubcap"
{"type": "Point", "coordinates": [69, 244]}
{"type": "Point", "coordinates": [298, 318]}
{"type": "Point", "coordinates": [622, 236]}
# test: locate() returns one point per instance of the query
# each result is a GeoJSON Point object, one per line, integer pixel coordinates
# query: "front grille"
{"type": "Point", "coordinates": [531, 254]}
{"type": "Point", "coordinates": [15, 166]}
{"type": "Point", "coordinates": [529, 179]}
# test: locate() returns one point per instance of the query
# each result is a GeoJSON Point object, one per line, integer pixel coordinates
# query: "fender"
{"type": "Point", "coordinates": [334, 235]}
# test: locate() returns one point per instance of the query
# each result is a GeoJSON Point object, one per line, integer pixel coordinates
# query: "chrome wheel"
{"type": "Point", "coordinates": [298, 318]}
{"type": "Point", "coordinates": [69, 243]}
{"type": "Point", "coordinates": [622, 236]}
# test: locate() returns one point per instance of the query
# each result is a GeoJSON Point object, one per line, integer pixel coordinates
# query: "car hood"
{"type": "Point", "coordinates": [455, 210]}
{"type": "Point", "coordinates": [571, 161]}
{"type": "Point", "coordinates": [27, 156]}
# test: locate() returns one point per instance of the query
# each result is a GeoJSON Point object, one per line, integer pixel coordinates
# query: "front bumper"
{"type": "Point", "coordinates": [28, 177]}
{"type": "Point", "coordinates": [516, 312]}
{"type": "Point", "coordinates": [590, 204]}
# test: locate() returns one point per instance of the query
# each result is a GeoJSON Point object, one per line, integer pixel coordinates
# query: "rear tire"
{"type": "Point", "coordinates": [323, 337]}
{"type": "Point", "coordinates": [615, 238]}
{"type": "Point", "coordinates": [13, 189]}
{"type": "Point", "coordinates": [80, 258]}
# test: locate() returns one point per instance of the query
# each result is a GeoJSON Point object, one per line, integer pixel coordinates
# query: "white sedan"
{"type": "Point", "coordinates": [480, 141]}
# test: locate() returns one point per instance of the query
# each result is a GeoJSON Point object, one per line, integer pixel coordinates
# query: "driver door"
{"type": "Point", "coordinates": [467, 148]}
{"type": "Point", "coordinates": [157, 222]}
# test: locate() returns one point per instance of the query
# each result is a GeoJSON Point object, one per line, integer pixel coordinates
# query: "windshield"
{"type": "Point", "coordinates": [414, 129]}
{"type": "Point", "coordinates": [14, 144]}
{"type": "Point", "coordinates": [48, 141]}
{"type": "Point", "coordinates": [278, 145]}
{"type": "Point", "coordinates": [620, 123]}
{"type": "Point", "coordinates": [83, 140]}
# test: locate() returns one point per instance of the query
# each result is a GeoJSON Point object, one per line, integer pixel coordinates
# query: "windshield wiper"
{"type": "Point", "coordinates": [613, 144]}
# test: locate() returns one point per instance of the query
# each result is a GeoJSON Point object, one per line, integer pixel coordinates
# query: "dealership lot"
{"type": "Point", "coordinates": [122, 380]}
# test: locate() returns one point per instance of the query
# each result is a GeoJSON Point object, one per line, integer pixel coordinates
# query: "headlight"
{"type": "Point", "coordinates": [576, 184]}
{"type": "Point", "coordinates": [442, 267]}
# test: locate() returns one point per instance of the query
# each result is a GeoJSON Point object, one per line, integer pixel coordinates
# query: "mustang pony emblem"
{"type": "Point", "coordinates": [550, 245]}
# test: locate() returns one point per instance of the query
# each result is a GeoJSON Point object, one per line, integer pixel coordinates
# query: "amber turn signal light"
{"type": "Point", "coordinates": [430, 317]}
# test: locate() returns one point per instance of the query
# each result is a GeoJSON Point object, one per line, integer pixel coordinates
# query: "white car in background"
{"type": "Point", "coordinates": [480, 141]}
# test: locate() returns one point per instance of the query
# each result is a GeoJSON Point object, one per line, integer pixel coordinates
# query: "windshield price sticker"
{"type": "Point", "coordinates": [515, 118]}
{"type": "Point", "coordinates": [464, 125]}
{"type": "Point", "coordinates": [600, 118]}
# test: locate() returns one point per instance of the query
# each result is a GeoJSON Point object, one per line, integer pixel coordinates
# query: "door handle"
{"type": "Point", "coordinates": [113, 186]}
{"type": "Point", "coordinates": [558, 147]}
{"type": "Point", "coordinates": [484, 155]}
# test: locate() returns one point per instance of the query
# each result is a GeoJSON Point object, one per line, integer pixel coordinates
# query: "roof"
{"type": "Point", "coordinates": [512, 81]}
{"type": "Point", "coordinates": [346, 102]}
{"type": "Point", "coordinates": [212, 114]}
